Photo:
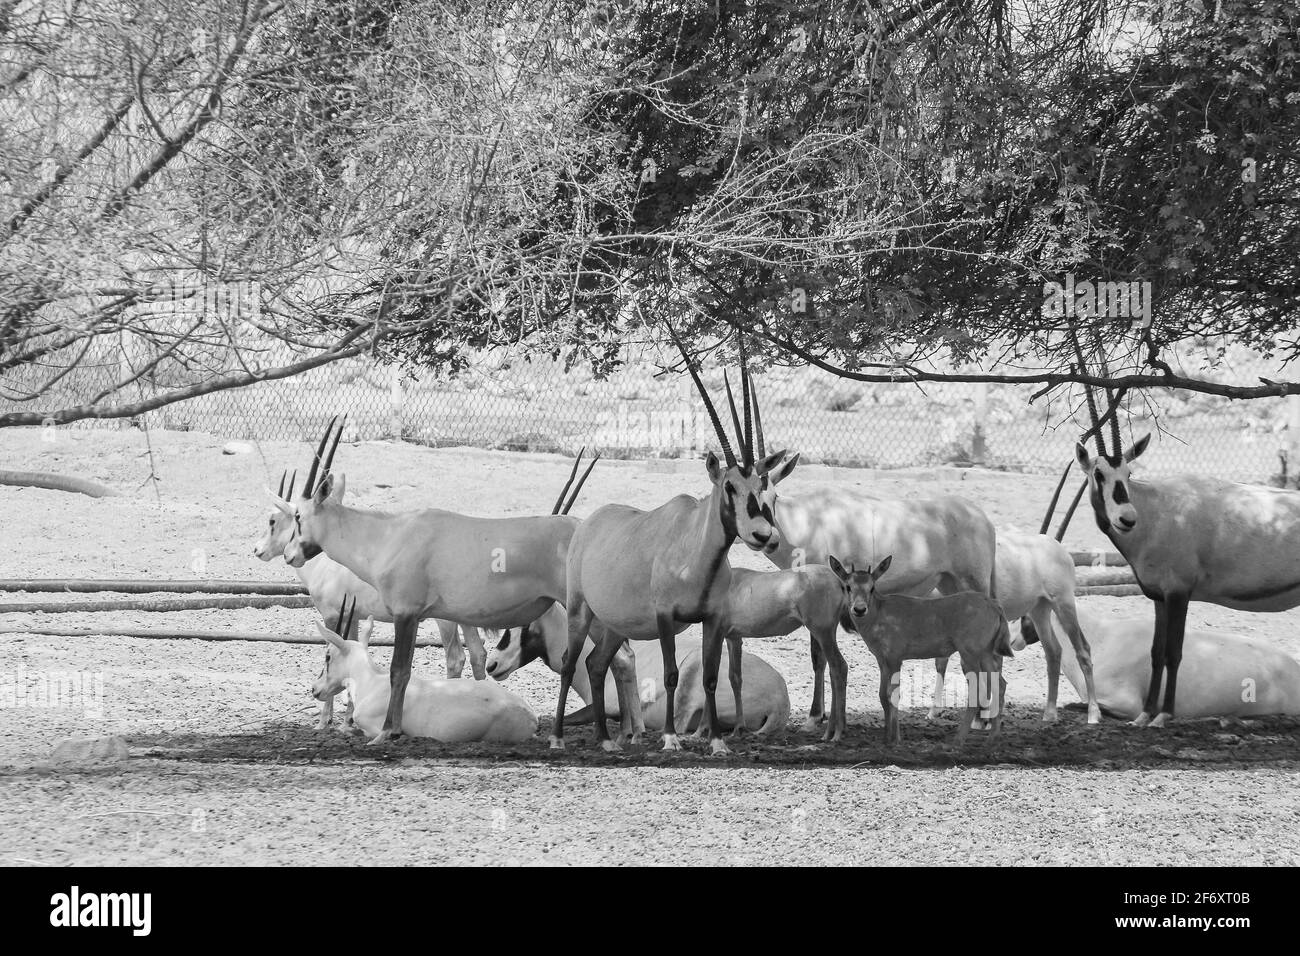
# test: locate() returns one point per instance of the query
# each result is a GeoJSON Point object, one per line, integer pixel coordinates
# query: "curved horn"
{"type": "Point", "coordinates": [746, 458]}
{"type": "Point", "coordinates": [708, 404]}
{"type": "Point", "coordinates": [555, 509]}
{"type": "Point", "coordinates": [310, 484]}
{"type": "Point", "coordinates": [581, 481]}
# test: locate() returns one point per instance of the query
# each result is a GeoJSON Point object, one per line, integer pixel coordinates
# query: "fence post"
{"type": "Point", "coordinates": [397, 402]}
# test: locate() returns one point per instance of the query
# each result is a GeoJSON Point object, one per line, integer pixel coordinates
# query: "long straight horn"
{"type": "Point", "coordinates": [747, 394]}
{"type": "Point", "coordinates": [1117, 446]}
{"type": "Point", "coordinates": [581, 481]}
{"type": "Point", "coordinates": [1056, 496]}
{"type": "Point", "coordinates": [329, 459]}
{"type": "Point", "coordinates": [283, 477]}
{"type": "Point", "coordinates": [555, 509]}
{"type": "Point", "coordinates": [343, 612]}
{"type": "Point", "coordinates": [293, 479]}
{"type": "Point", "coordinates": [708, 404]}
{"type": "Point", "coordinates": [352, 613]}
{"type": "Point", "coordinates": [745, 455]}
{"type": "Point", "coordinates": [310, 485]}
{"type": "Point", "coordinates": [758, 425]}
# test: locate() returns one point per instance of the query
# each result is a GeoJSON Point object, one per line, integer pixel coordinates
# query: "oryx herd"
{"type": "Point", "coordinates": [919, 578]}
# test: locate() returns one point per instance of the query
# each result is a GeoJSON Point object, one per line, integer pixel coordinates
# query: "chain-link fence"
{"type": "Point", "coordinates": [512, 400]}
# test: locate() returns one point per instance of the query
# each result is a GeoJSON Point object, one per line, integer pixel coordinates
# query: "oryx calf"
{"type": "Point", "coordinates": [452, 711]}
{"type": "Point", "coordinates": [898, 627]}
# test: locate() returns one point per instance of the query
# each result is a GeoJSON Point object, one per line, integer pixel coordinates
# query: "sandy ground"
{"type": "Point", "coordinates": [226, 768]}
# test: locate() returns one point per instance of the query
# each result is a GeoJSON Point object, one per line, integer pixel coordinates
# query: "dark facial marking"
{"type": "Point", "coordinates": [504, 642]}
{"type": "Point", "coordinates": [1120, 494]}
{"type": "Point", "coordinates": [532, 647]}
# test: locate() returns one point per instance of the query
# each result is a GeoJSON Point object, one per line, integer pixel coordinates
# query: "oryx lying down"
{"type": "Point", "coordinates": [898, 627]}
{"type": "Point", "coordinates": [329, 582]}
{"type": "Point", "coordinates": [1222, 674]}
{"type": "Point", "coordinates": [1035, 576]}
{"type": "Point", "coordinates": [452, 711]}
{"type": "Point", "coordinates": [766, 702]}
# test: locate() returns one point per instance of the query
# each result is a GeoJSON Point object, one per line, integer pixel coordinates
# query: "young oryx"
{"type": "Point", "coordinates": [898, 627]}
{"type": "Point", "coordinates": [485, 572]}
{"type": "Point", "coordinates": [1192, 538]}
{"type": "Point", "coordinates": [766, 702]}
{"type": "Point", "coordinates": [646, 575]}
{"type": "Point", "coordinates": [327, 583]}
{"type": "Point", "coordinates": [946, 543]}
{"type": "Point", "coordinates": [452, 711]}
{"type": "Point", "coordinates": [776, 603]}
{"type": "Point", "coordinates": [1035, 576]}
{"type": "Point", "coordinates": [1222, 674]}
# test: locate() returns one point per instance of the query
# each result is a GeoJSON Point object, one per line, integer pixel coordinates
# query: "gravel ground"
{"type": "Point", "coordinates": [226, 768]}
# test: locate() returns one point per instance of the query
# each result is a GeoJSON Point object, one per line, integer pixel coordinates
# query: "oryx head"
{"type": "Point", "coordinates": [516, 647]}
{"type": "Point", "coordinates": [339, 651]}
{"type": "Point", "coordinates": [859, 586]}
{"type": "Point", "coordinates": [278, 528]}
{"type": "Point", "coordinates": [745, 486]}
{"type": "Point", "coordinates": [1108, 473]}
{"type": "Point", "coordinates": [319, 492]}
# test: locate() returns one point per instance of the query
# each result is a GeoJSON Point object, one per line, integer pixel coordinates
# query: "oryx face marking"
{"type": "Point", "coordinates": [1108, 487]}
{"type": "Point", "coordinates": [747, 493]}
{"type": "Point", "coordinates": [518, 646]}
{"type": "Point", "coordinates": [859, 586]}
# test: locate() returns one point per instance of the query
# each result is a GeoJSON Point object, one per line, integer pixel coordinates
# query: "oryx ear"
{"type": "Point", "coordinates": [838, 568]}
{"type": "Point", "coordinates": [1138, 448]}
{"type": "Point", "coordinates": [324, 489]}
{"type": "Point", "coordinates": [778, 472]}
{"type": "Point", "coordinates": [882, 567]}
{"type": "Point", "coordinates": [280, 504]}
{"type": "Point", "coordinates": [714, 467]}
{"type": "Point", "coordinates": [329, 636]}
{"type": "Point", "coordinates": [1082, 457]}
{"type": "Point", "coordinates": [365, 630]}
{"type": "Point", "coordinates": [339, 487]}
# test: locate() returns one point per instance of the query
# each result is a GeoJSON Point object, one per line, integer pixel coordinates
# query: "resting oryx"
{"type": "Point", "coordinates": [766, 702]}
{"type": "Point", "coordinates": [452, 711]}
{"type": "Point", "coordinates": [898, 627]}
{"type": "Point", "coordinates": [327, 583]}
{"type": "Point", "coordinates": [485, 572]}
{"type": "Point", "coordinates": [1035, 575]}
{"type": "Point", "coordinates": [1191, 538]}
{"type": "Point", "coordinates": [646, 575]}
{"type": "Point", "coordinates": [1222, 674]}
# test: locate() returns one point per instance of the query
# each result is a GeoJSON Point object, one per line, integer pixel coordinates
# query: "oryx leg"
{"type": "Point", "coordinates": [1157, 665]}
{"type": "Point", "coordinates": [715, 631]}
{"type": "Point", "coordinates": [940, 675]}
{"type": "Point", "coordinates": [451, 648]}
{"type": "Point", "coordinates": [607, 645]}
{"type": "Point", "coordinates": [399, 674]}
{"type": "Point", "coordinates": [733, 670]}
{"type": "Point", "coordinates": [477, 653]}
{"type": "Point", "coordinates": [838, 722]}
{"type": "Point", "coordinates": [817, 712]}
{"type": "Point", "coordinates": [668, 647]}
{"type": "Point", "coordinates": [888, 705]}
{"type": "Point", "coordinates": [580, 618]}
{"type": "Point", "coordinates": [1082, 652]}
{"type": "Point", "coordinates": [1175, 625]}
{"type": "Point", "coordinates": [993, 694]}
{"type": "Point", "coordinates": [1041, 617]}
{"type": "Point", "coordinates": [971, 712]}
{"type": "Point", "coordinates": [631, 721]}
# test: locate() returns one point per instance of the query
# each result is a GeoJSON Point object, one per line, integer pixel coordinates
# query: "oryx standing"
{"type": "Point", "coordinates": [1191, 538]}
{"type": "Point", "coordinates": [484, 572]}
{"type": "Point", "coordinates": [647, 575]}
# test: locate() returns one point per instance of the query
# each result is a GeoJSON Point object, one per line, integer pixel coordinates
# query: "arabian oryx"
{"type": "Point", "coordinates": [1191, 538]}
{"type": "Point", "coordinates": [452, 711]}
{"type": "Point", "coordinates": [899, 627]}
{"type": "Point", "coordinates": [647, 575]}
{"type": "Point", "coordinates": [1222, 674]}
{"type": "Point", "coordinates": [328, 582]}
{"type": "Point", "coordinates": [946, 543]}
{"type": "Point", "coordinates": [484, 572]}
{"type": "Point", "coordinates": [766, 707]}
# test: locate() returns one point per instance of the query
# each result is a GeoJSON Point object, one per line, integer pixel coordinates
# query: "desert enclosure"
{"type": "Point", "coordinates": [225, 764]}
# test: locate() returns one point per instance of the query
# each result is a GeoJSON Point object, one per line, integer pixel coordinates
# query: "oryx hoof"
{"type": "Point", "coordinates": [1162, 719]}
{"type": "Point", "coordinates": [1094, 715]}
{"type": "Point", "coordinates": [1050, 716]}
{"type": "Point", "coordinates": [611, 746]}
{"type": "Point", "coordinates": [812, 724]}
{"type": "Point", "coordinates": [384, 737]}
{"type": "Point", "coordinates": [1141, 720]}
{"type": "Point", "coordinates": [556, 743]}
{"type": "Point", "coordinates": [932, 714]}
{"type": "Point", "coordinates": [671, 742]}
{"type": "Point", "coordinates": [718, 747]}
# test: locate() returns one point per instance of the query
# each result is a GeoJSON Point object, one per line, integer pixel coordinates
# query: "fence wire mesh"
{"type": "Point", "coordinates": [519, 401]}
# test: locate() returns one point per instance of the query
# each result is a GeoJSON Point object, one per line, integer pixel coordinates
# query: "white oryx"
{"type": "Point", "coordinates": [328, 583]}
{"type": "Point", "coordinates": [484, 572]}
{"type": "Point", "coordinates": [647, 575]}
{"type": "Point", "coordinates": [1035, 575]}
{"type": "Point", "coordinates": [899, 627]}
{"type": "Point", "coordinates": [1222, 674]}
{"type": "Point", "coordinates": [452, 711]}
{"type": "Point", "coordinates": [1191, 538]}
{"type": "Point", "coordinates": [766, 707]}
